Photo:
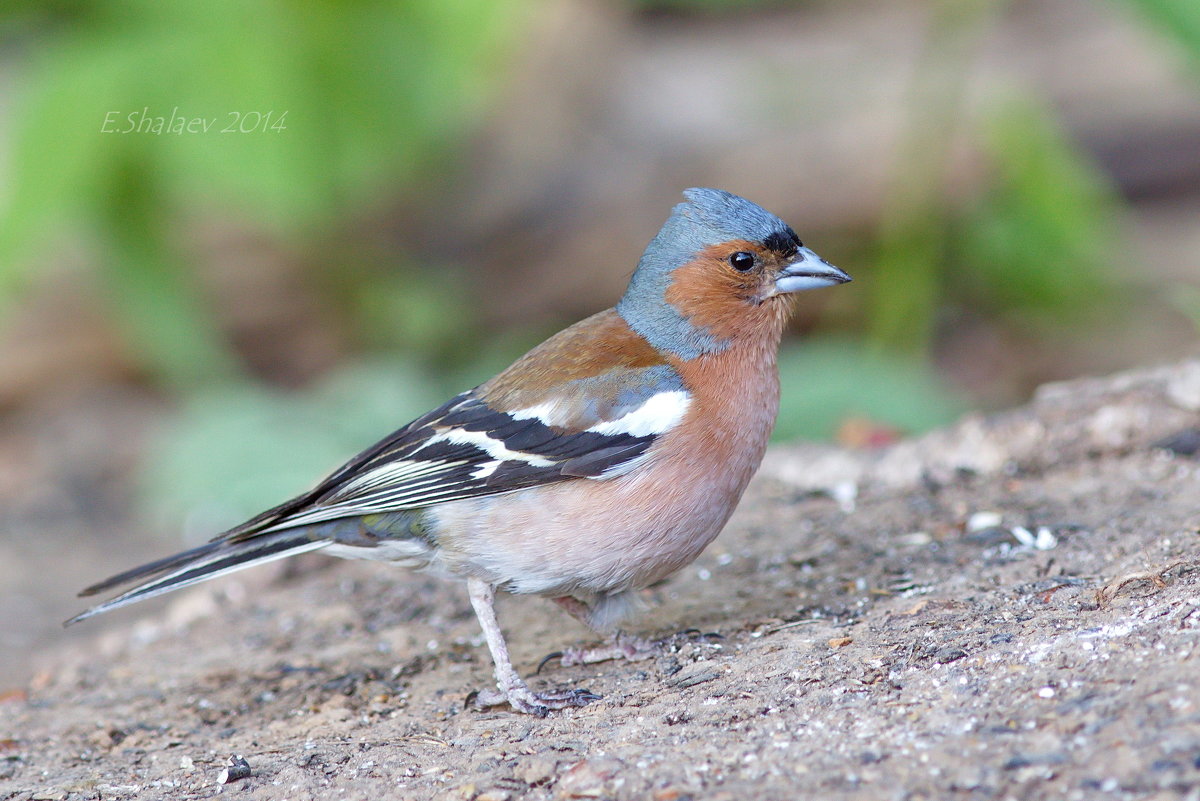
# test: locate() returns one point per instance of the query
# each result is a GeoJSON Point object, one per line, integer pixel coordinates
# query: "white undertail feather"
{"type": "Point", "coordinates": [402, 551]}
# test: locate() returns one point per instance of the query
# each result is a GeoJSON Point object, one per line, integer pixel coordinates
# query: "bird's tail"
{"type": "Point", "coordinates": [202, 563]}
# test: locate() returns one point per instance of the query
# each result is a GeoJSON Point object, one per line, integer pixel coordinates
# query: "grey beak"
{"type": "Point", "coordinates": [808, 271]}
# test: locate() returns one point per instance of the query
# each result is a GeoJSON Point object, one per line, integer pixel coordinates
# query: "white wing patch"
{"type": "Point", "coordinates": [548, 413]}
{"type": "Point", "coordinates": [656, 415]}
{"type": "Point", "coordinates": [660, 413]}
{"type": "Point", "coordinates": [486, 469]}
{"type": "Point", "coordinates": [492, 447]}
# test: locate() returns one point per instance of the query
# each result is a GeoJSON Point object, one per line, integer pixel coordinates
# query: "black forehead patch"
{"type": "Point", "coordinates": [784, 242]}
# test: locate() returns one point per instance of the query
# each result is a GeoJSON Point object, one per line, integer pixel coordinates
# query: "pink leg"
{"type": "Point", "coordinates": [511, 688]}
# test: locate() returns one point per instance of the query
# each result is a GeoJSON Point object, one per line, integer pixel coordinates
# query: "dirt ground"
{"type": "Point", "coordinates": [1008, 608]}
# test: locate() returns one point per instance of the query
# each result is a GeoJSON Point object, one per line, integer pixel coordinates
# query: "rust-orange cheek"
{"type": "Point", "coordinates": [714, 297]}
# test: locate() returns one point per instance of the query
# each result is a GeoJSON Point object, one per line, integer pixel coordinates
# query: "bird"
{"type": "Point", "coordinates": [597, 464]}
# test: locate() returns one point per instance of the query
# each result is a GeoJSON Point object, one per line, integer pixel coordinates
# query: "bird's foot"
{"type": "Point", "coordinates": [522, 699]}
{"type": "Point", "coordinates": [631, 649]}
{"type": "Point", "coordinates": [622, 646]}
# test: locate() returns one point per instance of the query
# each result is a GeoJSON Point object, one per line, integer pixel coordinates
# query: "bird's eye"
{"type": "Point", "coordinates": [741, 261]}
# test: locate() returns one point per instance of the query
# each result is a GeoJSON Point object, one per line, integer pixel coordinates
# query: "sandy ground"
{"type": "Point", "coordinates": [863, 632]}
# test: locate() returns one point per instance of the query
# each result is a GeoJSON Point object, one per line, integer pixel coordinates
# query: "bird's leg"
{"type": "Point", "coordinates": [619, 646]}
{"type": "Point", "coordinates": [511, 688]}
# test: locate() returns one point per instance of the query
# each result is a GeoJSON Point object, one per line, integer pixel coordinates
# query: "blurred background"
{"type": "Point", "coordinates": [242, 239]}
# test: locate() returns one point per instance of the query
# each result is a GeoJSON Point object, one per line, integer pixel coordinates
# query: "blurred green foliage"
{"type": "Point", "coordinates": [1038, 244]}
{"type": "Point", "coordinates": [316, 111]}
{"type": "Point", "coordinates": [828, 380]}
{"type": "Point", "coordinates": [1034, 246]}
{"type": "Point", "coordinates": [1178, 19]}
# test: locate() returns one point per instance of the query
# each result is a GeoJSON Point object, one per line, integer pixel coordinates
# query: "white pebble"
{"type": "Point", "coordinates": [984, 520]}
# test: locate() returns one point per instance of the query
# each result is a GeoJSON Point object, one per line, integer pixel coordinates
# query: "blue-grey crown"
{"type": "Point", "coordinates": [710, 216]}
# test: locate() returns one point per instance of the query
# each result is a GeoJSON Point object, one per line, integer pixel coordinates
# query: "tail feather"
{"type": "Point", "coordinates": [200, 564]}
{"type": "Point", "coordinates": [156, 567]}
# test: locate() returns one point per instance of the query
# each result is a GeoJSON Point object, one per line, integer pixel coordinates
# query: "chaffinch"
{"type": "Point", "coordinates": [600, 462]}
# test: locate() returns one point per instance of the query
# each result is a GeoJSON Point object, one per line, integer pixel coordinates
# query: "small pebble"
{"type": "Point", "coordinates": [593, 778]}
{"type": "Point", "coordinates": [948, 654]}
{"type": "Point", "coordinates": [1043, 540]}
{"type": "Point", "coordinates": [494, 795]}
{"type": "Point", "coordinates": [235, 768]}
{"type": "Point", "coordinates": [984, 520]}
{"type": "Point", "coordinates": [915, 538]}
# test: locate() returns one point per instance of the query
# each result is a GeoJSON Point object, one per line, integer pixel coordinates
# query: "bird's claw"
{"type": "Point", "coordinates": [550, 657]}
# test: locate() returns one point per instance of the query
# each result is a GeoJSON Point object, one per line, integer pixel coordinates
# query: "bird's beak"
{"type": "Point", "coordinates": [808, 271]}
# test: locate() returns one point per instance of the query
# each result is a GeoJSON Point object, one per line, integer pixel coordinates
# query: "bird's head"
{"type": "Point", "coordinates": [721, 267]}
